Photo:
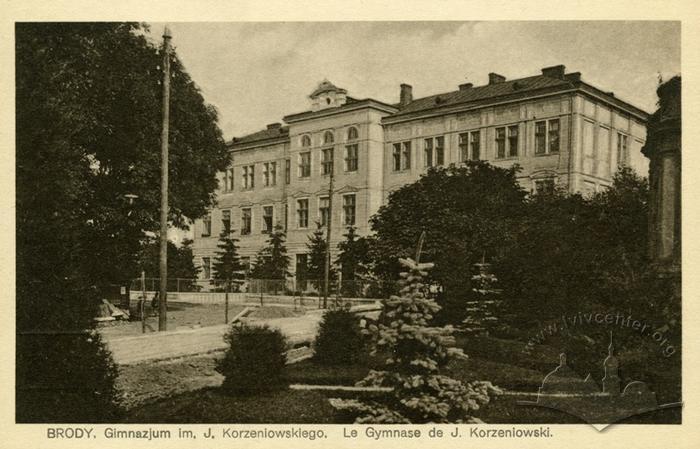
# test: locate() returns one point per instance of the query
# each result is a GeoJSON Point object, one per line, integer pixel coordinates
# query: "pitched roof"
{"type": "Point", "coordinates": [273, 133]}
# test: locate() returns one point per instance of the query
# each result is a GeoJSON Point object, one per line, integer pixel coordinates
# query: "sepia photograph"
{"type": "Point", "coordinates": [347, 222]}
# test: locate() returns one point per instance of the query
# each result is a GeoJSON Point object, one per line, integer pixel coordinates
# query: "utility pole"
{"type": "Point", "coordinates": [162, 311]}
{"type": "Point", "coordinates": [326, 274]}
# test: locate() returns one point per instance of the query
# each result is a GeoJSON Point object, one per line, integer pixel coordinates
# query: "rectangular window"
{"type": "Point", "coordinates": [226, 221]}
{"type": "Point", "coordinates": [406, 156]}
{"type": "Point", "coordinates": [228, 180]}
{"type": "Point", "coordinates": [500, 143]}
{"type": "Point", "coordinates": [513, 141]}
{"type": "Point", "coordinates": [286, 217]}
{"type": "Point", "coordinates": [475, 142]}
{"type": "Point", "coordinates": [268, 215]}
{"type": "Point", "coordinates": [249, 177]}
{"type": "Point", "coordinates": [301, 261]}
{"type": "Point", "coordinates": [349, 210]}
{"type": "Point", "coordinates": [327, 161]}
{"type": "Point", "coordinates": [544, 186]}
{"type": "Point", "coordinates": [540, 137]}
{"type": "Point", "coordinates": [287, 171]}
{"type": "Point", "coordinates": [266, 174]}
{"type": "Point", "coordinates": [553, 136]}
{"type": "Point", "coordinates": [303, 213]}
{"type": "Point", "coordinates": [622, 150]}
{"type": "Point", "coordinates": [206, 226]}
{"type": "Point", "coordinates": [305, 164]}
{"type": "Point", "coordinates": [464, 147]}
{"type": "Point", "coordinates": [324, 210]}
{"type": "Point", "coordinates": [439, 151]}
{"type": "Point", "coordinates": [206, 267]}
{"type": "Point", "coordinates": [246, 221]}
{"type": "Point", "coordinates": [428, 153]}
{"type": "Point", "coordinates": [397, 157]}
{"type": "Point", "coordinates": [351, 158]}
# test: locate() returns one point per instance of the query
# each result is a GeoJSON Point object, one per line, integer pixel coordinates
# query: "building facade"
{"type": "Point", "coordinates": [559, 129]}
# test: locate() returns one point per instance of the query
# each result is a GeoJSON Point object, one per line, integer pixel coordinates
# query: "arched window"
{"type": "Point", "coordinates": [328, 137]}
{"type": "Point", "coordinates": [306, 141]}
{"type": "Point", "coordinates": [352, 133]}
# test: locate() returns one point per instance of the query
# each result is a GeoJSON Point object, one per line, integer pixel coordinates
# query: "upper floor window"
{"type": "Point", "coordinates": [269, 173]}
{"type": "Point", "coordinates": [228, 180]}
{"type": "Point", "coordinates": [513, 141]}
{"type": "Point", "coordinates": [402, 156]}
{"type": "Point", "coordinates": [206, 226]}
{"type": "Point", "coordinates": [500, 143]}
{"type": "Point", "coordinates": [622, 150]}
{"type": "Point", "coordinates": [434, 151]}
{"type": "Point", "coordinates": [305, 164]}
{"type": "Point", "coordinates": [226, 221]}
{"type": "Point", "coordinates": [470, 146]}
{"type": "Point", "coordinates": [349, 210]}
{"type": "Point", "coordinates": [351, 157]}
{"type": "Point", "coordinates": [396, 157]}
{"type": "Point", "coordinates": [327, 161]}
{"type": "Point", "coordinates": [303, 212]}
{"type": "Point", "coordinates": [287, 171]}
{"type": "Point", "coordinates": [328, 138]}
{"type": "Point", "coordinates": [352, 133]}
{"type": "Point", "coordinates": [428, 153]}
{"type": "Point", "coordinates": [305, 141]}
{"type": "Point", "coordinates": [547, 136]}
{"type": "Point", "coordinates": [324, 210]}
{"type": "Point", "coordinates": [246, 221]}
{"type": "Point", "coordinates": [268, 215]}
{"type": "Point", "coordinates": [248, 178]}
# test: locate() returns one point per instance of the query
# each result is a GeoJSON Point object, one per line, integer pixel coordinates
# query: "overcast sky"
{"type": "Point", "coordinates": [255, 73]}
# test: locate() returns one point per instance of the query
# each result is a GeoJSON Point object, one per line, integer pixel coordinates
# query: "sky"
{"type": "Point", "coordinates": [256, 73]}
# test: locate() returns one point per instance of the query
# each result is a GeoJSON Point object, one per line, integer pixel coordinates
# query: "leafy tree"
{"type": "Point", "coordinates": [88, 119]}
{"type": "Point", "coordinates": [316, 261]}
{"type": "Point", "coordinates": [353, 260]}
{"type": "Point", "coordinates": [417, 354]}
{"type": "Point", "coordinates": [227, 265]}
{"type": "Point", "coordinates": [272, 261]}
{"type": "Point", "coordinates": [180, 262]}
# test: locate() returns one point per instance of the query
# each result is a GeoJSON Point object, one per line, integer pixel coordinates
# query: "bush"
{"type": "Point", "coordinates": [339, 339]}
{"type": "Point", "coordinates": [255, 360]}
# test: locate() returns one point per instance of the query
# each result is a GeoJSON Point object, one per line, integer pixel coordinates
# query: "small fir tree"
{"type": "Point", "coordinates": [417, 352]}
{"type": "Point", "coordinates": [227, 267]}
{"type": "Point", "coordinates": [353, 260]}
{"type": "Point", "coordinates": [272, 262]}
{"type": "Point", "coordinates": [316, 262]}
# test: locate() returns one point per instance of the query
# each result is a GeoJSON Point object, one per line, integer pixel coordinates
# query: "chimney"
{"type": "Point", "coordinates": [556, 71]}
{"type": "Point", "coordinates": [465, 86]}
{"type": "Point", "coordinates": [406, 94]}
{"type": "Point", "coordinates": [495, 78]}
{"type": "Point", "coordinates": [274, 125]}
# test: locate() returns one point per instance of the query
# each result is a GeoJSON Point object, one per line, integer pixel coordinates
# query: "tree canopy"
{"type": "Point", "coordinates": [272, 261]}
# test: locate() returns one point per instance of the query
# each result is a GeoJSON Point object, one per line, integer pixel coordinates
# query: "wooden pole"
{"type": "Point", "coordinates": [327, 267]}
{"type": "Point", "coordinates": [162, 311]}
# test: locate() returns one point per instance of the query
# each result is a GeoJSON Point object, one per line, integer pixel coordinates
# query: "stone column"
{"type": "Point", "coordinates": [663, 148]}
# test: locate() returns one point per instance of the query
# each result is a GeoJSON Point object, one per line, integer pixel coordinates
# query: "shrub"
{"type": "Point", "coordinates": [339, 338]}
{"type": "Point", "coordinates": [254, 361]}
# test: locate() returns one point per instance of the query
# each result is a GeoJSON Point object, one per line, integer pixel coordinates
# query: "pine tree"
{"type": "Point", "coordinates": [316, 262]}
{"type": "Point", "coordinates": [353, 260]}
{"type": "Point", "coordinates": [272, 262]}
{"type": "Point", "coordinates": [417, 353]}
{"type": "Point", "coordinates": [227, 267]}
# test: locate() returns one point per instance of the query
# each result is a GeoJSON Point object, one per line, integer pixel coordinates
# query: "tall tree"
{"type": "Point", "coordinates": [316, 261]}
{"type": "Point", "coordinates": [88, 118]}
{"type": "Point", "coordinates": [180, 262]}
{"type": "Point", "coordinates": [353, 260]}
{"type": "Point", "coordinates": [227, 267]}
{"type": "Point", "coordinates": [272, 261]}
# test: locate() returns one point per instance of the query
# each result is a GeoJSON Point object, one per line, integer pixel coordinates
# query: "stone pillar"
{"type": "Point", "coordinates": [663, 148]}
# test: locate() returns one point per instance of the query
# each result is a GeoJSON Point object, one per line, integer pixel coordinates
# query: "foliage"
{"type": "Point", "coordinates": [467, 212]}
{"type": "Point", "coordinates": [88, 121]}
{"type": "Point", "coordinates": [339, 340]}
{"type": "Point", "coordinates": [353, 260]}
{"type": "Point", "coordinates": [272, 261]}
{"type": "Point", "coordinates": [254, 361]}
{"type": "Point", "coordinates": [316, 261]}
{"type": "Point", "coordinates": [180, 262]}
{"type": "Point", "coordinates": [227, 265]}
{"type": "Point", "coordinates": [418, 354]}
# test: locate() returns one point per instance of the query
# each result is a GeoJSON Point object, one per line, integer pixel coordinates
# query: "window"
{"type": "Point", "coordinates": [206, 226]}
{"type": "Point", "coordinates": [301, 261]}
{"type": "Point", "coordinates": [440, 150]}
{"type": "Point", "coordinates": [544, 187]}
{"type": "Point", "coordinates": [428, 153]}
{"type": "Point", "coordinates": [469, 146]}
{"type": "Point", "coordinates": [351, 158]}
{"type": "Point", "coordinates": [303, 213]}
{"type": "Point", "coordinates": [228, 180]}
{"type": "Point", "coordinates": [513, 141]}
{"type": "Point", "coordinates": [269, 173]}
{"type": "Point", "coordinates": [305, 141]}
{"type": "Point", "coordinates": [547, 137]}
{"type": "Point", "coordinates": [500, 143]}
{"type": "Point", "coordinates": [206, 267]}
{"type": "Point", "coordinates": [475, 143]}
{"type": "Point", "coordinates": [622, 150]}
{"type": "Point", "coordinates": [327, 161]}
{"type": "Point", "coordinates": [553, 136]}
{"type": "Point", "coordinates": [352, 133]}
{"type": "Point", "coordinates": [246, 221]}
{"type": "Point", "coordinates": [268, 212]}
{"type": "Point", "coordinates": [286, 217]}
{"type": "Point", "coordinates": [305, 164]}
{"type": "Point", "coordinates": [349, 210]}
{"type": "Point", "coordinates": [406, 155]}
{"type": "Point", "coordinates": [287, 171]}
{"type": "Point", "coordinates": [324, 210]}
{"type": "Point", "coordinates": [248, 177]}
{"type": "Point", "coordinates": [328, 137]}
{"type": "Point", "coordinates": [226, 221]}
{"type": "Point", "coordinates": [397, 157]}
